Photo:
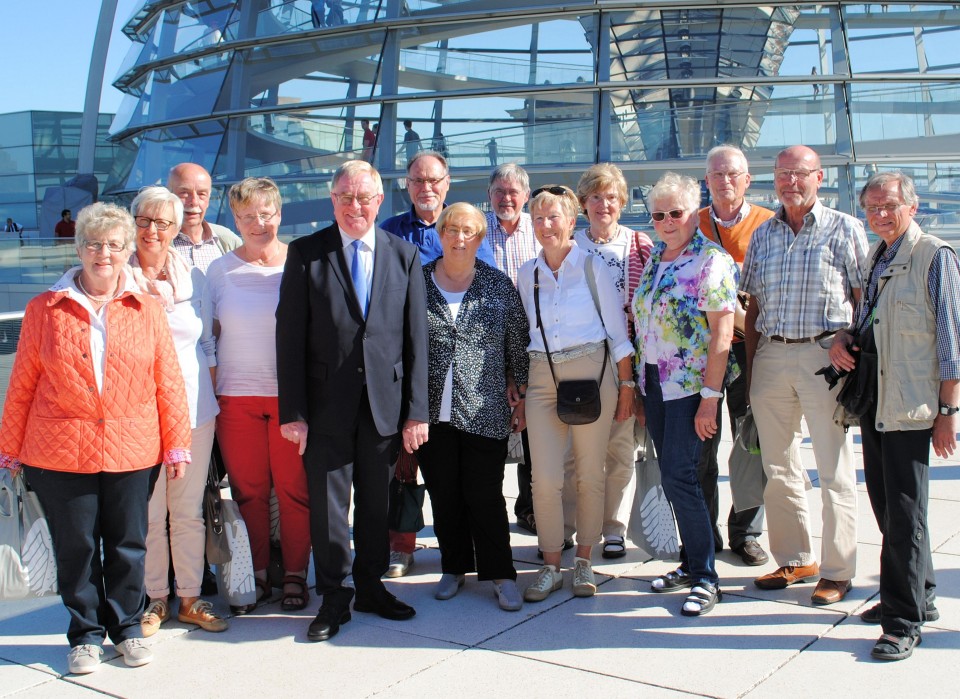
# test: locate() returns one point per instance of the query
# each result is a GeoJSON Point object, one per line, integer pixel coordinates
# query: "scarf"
{"type": "Point", "coordinates": [175, 288]}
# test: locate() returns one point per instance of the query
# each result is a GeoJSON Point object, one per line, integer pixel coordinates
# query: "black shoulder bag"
{"type": "Point", "coordinates": [578, 402]}
{"type": "Point", "coordinates": [859, 390]}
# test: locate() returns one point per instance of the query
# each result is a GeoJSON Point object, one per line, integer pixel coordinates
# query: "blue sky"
{"type": "Point", "coordinates": [45, 53]}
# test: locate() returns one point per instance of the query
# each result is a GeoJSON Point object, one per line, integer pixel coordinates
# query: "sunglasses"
{"type": "Point", "coordinates": [660, 215]}
{"type": "Point", "coordinates": [554, 189]}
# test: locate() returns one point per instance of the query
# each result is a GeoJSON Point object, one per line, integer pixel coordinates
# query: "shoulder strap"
{"type": "Point", "coordinates": [716, 229]}
{"type": "Point", "coordinates": [536, 305]}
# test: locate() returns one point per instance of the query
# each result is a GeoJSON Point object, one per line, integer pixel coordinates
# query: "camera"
{"type": "Point", "coordinates": [831, 374]}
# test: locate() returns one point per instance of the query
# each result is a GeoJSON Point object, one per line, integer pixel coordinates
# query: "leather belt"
{"type": "Point", "coordinates": [801, 340]}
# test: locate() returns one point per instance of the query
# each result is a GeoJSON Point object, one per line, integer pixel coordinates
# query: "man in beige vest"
{"type": "Point", "coordinates": [908, 324]}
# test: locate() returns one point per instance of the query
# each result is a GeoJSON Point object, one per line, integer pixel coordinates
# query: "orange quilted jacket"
{"type": "Point", "coordinates": [54, 417]}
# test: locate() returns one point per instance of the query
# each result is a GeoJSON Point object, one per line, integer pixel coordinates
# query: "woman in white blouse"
{"type": "Point", "coordinates": [242, 292]}
{"type": "Point", "coordinates": [160, 272]}
{"type": "Point", "coordinates": [575, 335]}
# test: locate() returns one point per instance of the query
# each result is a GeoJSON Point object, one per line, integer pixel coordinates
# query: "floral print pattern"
{"type": "Point", "coordinates": [672, 316]}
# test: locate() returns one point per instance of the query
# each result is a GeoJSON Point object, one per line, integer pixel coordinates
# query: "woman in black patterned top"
{"type": "Point", "coordinates": [478, 341]}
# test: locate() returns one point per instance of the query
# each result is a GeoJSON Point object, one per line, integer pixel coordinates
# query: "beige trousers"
{"type": "Point", "coordinates": [548, 442]}
{"type": "Point", "coordinates": [783, 388]}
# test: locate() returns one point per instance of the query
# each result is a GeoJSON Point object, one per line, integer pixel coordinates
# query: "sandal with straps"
{"type": "Point", "coordinates": [263, 591]}
{"type": "Point", "coordinates": [701, 600]}
{"type": "Point", "coordinates": [288, 602]}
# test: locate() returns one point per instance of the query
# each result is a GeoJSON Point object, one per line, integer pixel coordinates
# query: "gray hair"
{"type": "Point", "coordinates": [685, 190]}
{"type": "Point", "coordinates": [726, 148]}
{"type": "Point", "coordinates": [353, 168]}
{"type": "Point", "coordinates": [99, 219]}
{"type": "Point", "coordinates": [510, 171]}
{"type": "Point", "coordinates": [432, 154]}
{"type": "Point", "coordinates": [908, 192]}
{"type": "Point", "coordinates": [155, 197]}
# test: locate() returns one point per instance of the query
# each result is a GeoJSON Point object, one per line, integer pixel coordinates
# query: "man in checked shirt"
{"type": "Point", "coordinates": [802, 271]}
{"type": "Point", "coordinates": [198, 242]}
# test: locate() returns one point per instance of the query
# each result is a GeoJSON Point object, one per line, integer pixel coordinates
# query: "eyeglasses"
{"type": "Point", "coordinates": [554, 189]}
{"type": "Point", "coordinates": [111, 245]}
{"type": "Point", "coordinates": [609, 198]}
{"type": "Point", "coordinates": [887, 208]}
{"type": "Point", "coordinates": [420, 181]}
{"type": "Point", "coordinates": [503, 193]}
{"type": "Point", "coordinates": [719, 175]}
{"type": "Point", "coordinates": [145, 221]}
{"type": "Point", "coordinates": [465, 232]}
{"type": "Point", "coordinates": [263, 218]}
{"type": "Point", "coordinates": [782, 173]}
{"type": "Point", "coordinates": [673, 213]}
{"type": "Point", "coordinates": [348, 199]}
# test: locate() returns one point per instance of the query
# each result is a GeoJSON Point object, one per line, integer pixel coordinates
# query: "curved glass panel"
{"type": "Point", "coordinates": [895, 38]}
{"type": "Point", "coordinates": [905, 120]}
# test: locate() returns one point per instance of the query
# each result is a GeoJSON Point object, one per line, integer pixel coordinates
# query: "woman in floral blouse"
{"type": "Point", "coordinates": [683, 311]}
{"type": "Point", "coordinates": [478, 347]}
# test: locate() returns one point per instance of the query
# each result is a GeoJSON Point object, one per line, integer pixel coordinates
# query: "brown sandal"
{"type": "Point", "coordinates": [264, 590]}
{"type": "Point", "coordinates": [287, 602]}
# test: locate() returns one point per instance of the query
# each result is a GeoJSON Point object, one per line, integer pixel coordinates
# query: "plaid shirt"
{"type": "Point", "coordinates": [804, 282]}
{"type": "Point", "coordinates": [943, 285]}
{"type": "Point", "coordinates": [201, 254]}
{"type": "Point", "coordinates": [510, 251]}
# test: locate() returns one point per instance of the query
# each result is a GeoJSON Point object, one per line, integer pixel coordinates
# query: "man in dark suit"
{"type": "Point", "coordinates": [352, 370]}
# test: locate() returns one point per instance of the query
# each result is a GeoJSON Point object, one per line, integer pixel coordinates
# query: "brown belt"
{"type": "Point", "coordinates": [799, 340]}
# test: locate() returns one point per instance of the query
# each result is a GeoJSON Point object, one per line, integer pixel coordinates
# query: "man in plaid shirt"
{"type": "Point", "coordinates": [802, 270]}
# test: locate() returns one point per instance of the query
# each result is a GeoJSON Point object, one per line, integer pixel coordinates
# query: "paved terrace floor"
{"type": "Point", "coordinates": [624, 642]}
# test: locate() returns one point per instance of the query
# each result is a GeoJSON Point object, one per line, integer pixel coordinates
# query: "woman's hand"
{"type": "Point", "coordinates": [705, 421]}
{"type": "Point", "coordinates": [518, 418]}
{"type": "Point", "coordinates": [176, 471]}
{"type": "Point", "coordinates": [840, 355]}
{"type": "Point", "coordinates": [515, 394]}
{"type": "Point", "coordinates": [624, 404]}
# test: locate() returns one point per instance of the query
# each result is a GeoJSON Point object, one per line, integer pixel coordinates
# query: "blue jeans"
{"type": "Point", "coordinates": [671, 426]}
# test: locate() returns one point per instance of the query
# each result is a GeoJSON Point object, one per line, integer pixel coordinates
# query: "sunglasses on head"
{"type": "Point", "coordinates": [554, 189]}
{"type": "Point", "coordinates": [660, 215]}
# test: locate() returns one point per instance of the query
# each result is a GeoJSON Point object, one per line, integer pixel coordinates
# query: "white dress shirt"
{"type": "Point", "coordinates": [567, 309]}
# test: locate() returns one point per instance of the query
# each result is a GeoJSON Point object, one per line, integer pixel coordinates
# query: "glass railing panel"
{"type": "Point", "coordinates": [905, 119]}
{"type": "Point", "coordinates": [482, 131]}
{"type": "Point", "coordinates": [895, 37]}
{"type": "Point", "coordinates": [36, 260]}
{"type": "Point", "coordinates": [284, 16]}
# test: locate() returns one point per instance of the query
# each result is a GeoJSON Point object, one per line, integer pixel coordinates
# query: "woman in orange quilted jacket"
{"type": "Point", "coordinates": [96, 404]}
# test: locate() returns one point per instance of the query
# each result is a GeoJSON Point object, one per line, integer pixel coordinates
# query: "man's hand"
{"type": "Point", "coordinates": [944, 435]}
{"type": "Point", "coordinates": [840, 355]}
{"type": "Point", "coordinates": [414, 434]}
{"type": "Point", "coordinates": [296, 432]}
{"type": "Point", "coordinates": [705, 421]}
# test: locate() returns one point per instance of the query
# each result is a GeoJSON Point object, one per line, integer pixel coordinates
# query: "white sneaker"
{"type": "Point", "coordinates": [134, 652]}
{"type": "Point", "coordinates": [82, 660]}
{"type": "Point", "coordinates": [449, 586]}
{"type": "Point", "coordinates": [400, 564]}
{"type": "Point", "coordinates": [584, 584]}
{"type": "Point", "coordinates": [508, 595]}
{"type": "Point", "coordinates": [548, 580]}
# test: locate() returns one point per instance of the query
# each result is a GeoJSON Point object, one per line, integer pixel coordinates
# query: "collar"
{"type": "Point", "coordinates": [66, 286]}
{"type": "Point", "coordinates": [816, 212]}
{"type": "Point", "coordinates": [206, 236]}
{"type": "Point", "coordinates": [368, 238]}
{"type": "Point", "coordinates": [741, 214]}
{"type": "Point", "coordinates": [572, 258]}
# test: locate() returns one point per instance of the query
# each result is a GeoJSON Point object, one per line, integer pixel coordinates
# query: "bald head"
{"type": "Point", "coordinates": [802, 153]}
{"type": "Point", "coordinates": [192, 185]}
{"type": "Point", "coordinates": [796, 178]}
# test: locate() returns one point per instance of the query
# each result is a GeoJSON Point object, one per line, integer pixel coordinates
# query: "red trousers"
{"type": "Point", "coordinates": [256, 456]}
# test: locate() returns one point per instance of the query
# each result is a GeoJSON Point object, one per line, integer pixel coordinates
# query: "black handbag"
{"type": "Point", "coordinates": [405, 509]}
{"type": "Point", "coordinates": [217, 546]}
{"type": "Point", "coordinates": [859, 390]}
{"type": "Point", "coordinates": [578, 402]}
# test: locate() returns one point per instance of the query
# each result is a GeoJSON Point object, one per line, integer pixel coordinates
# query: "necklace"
{"type": "Point", "coordinates": [266, 261]}
{"type": "Point", "coordinates": [599, 240]}
{"type": "Point", "coordinates": [95, 299]}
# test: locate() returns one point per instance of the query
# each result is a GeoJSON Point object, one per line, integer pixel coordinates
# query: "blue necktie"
{"type": "Point", "coordinates": [358, 272]}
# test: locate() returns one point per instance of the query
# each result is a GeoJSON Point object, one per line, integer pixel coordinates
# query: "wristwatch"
{"type": "Point", "coordinates": [710, 393]}
{"type": "Point", "coordinates": [629, 383]}
{"type": "Point", "coordinates": [946, 409]}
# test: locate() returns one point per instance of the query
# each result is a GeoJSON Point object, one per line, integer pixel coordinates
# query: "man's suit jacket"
{"type": "Point", "coordinates": [325, 348]}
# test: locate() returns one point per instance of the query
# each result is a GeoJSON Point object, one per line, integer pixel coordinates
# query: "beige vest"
{"type": "Point", "coordinates": [908, 389]}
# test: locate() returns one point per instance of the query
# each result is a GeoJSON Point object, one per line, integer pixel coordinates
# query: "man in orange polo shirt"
{"type": "Point", "coordinates": [730, 221]}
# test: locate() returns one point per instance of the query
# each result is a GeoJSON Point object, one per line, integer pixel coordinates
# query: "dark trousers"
{"type": "Point", "coordinates": [361, 458]}
{"type": "Point", "coordinates": [747, 524]}
{"type": "Point", "coordinates": [896, 467]}
{"type": "Point", "coordinates": [524, 503]}
{"type": "Point", "coordinates": [671, 426]}
{"type": "Point", "coordinates": [98, 523]}
{"type": "Point", "coordinates": [464, 475]}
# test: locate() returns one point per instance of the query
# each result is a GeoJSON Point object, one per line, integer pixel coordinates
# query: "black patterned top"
{"type": "Point", "coordinates": [487, 343]}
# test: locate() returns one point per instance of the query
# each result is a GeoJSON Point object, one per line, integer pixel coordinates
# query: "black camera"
{"type": "Point", "coordinates": [831, 374]}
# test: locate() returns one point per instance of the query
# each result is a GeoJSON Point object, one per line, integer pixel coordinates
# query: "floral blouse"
{"type": "Point", "coordinates": [673, 317]}
{"type": "Point", "coordinates": [486, 344]}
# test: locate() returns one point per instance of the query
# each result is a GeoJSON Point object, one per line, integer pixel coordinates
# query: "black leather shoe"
{"type": "Point", "coordinates": [385, 605]}
{"type": "Point", "coordinates": [327, 622]}
{"type": "Point", "coordinates": [752, 553]}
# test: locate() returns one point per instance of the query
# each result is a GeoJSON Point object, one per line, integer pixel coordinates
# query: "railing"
{"type": "Point", "coordinates": [9, 337]}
